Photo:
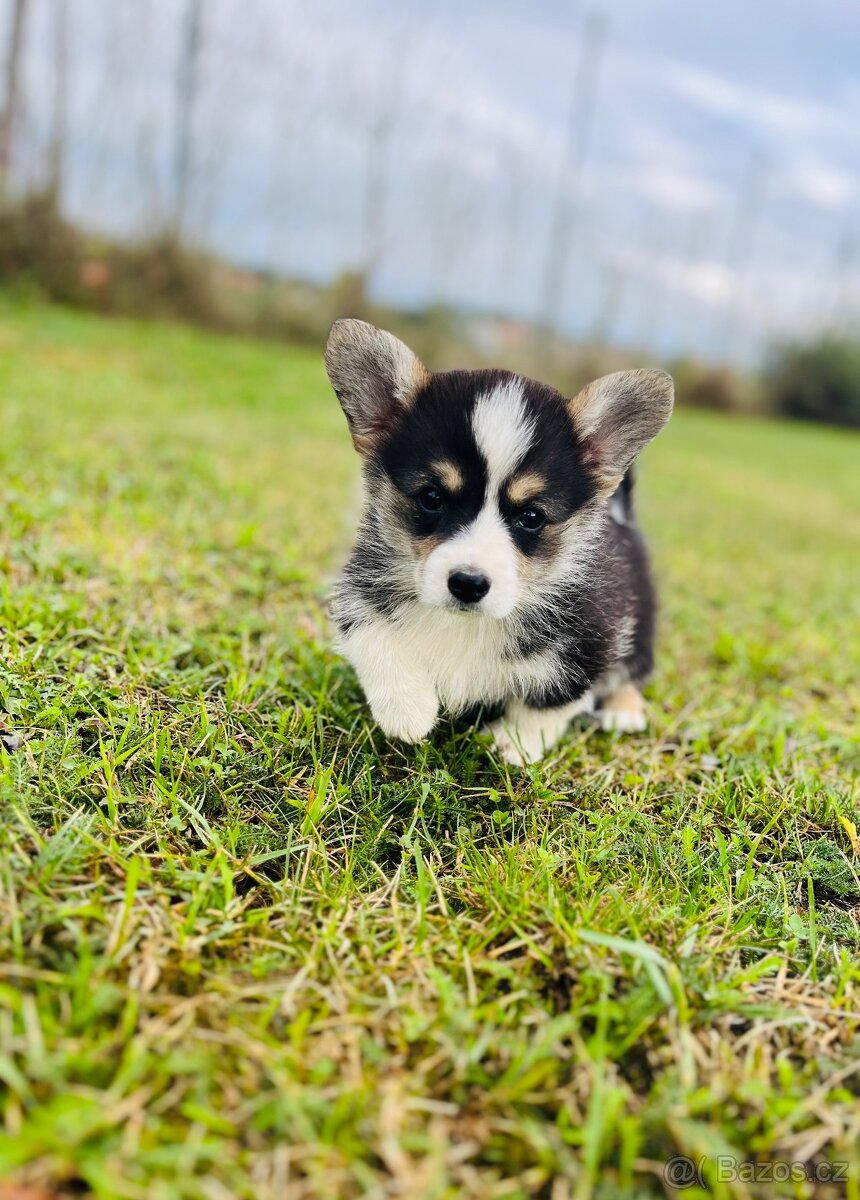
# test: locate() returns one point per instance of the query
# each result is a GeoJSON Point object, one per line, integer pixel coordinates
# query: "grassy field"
{"type": "Point", "coordinates": [248, 949]}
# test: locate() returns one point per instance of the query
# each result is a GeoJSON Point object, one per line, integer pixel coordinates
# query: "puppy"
{"type": "Point", "coordinates": [496, 560]}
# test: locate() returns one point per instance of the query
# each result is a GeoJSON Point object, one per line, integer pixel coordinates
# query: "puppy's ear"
{"type": "Point", "coordinates": [375, 376]}
{"type": "Point", "coordinates": [617, 415]}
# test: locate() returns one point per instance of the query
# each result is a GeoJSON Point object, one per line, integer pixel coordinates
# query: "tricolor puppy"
{"type": "Point", "coordinates": [496, 559]}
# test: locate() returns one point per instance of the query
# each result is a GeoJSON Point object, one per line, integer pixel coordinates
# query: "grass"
{"type": "Point", "coordinates": [248, 949]}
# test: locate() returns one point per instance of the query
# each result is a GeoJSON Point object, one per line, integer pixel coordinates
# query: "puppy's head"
{"type": "Point", "coordinates": [487, 487]}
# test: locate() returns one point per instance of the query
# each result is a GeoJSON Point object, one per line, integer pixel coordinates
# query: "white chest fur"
{"type": "Point", "coordinates": [463, 657]}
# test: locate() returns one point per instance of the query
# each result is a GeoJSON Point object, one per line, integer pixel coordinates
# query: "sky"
{"type": "Point", "coordinates": [712, 205]}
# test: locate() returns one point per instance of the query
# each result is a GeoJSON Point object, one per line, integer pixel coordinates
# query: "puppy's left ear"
{"type": "Point", "coordinates": [375, 376]}
{"type": "Point", "coordinates": [617, 415]}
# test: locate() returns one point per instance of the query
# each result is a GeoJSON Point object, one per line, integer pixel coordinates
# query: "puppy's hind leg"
{"type": "Point", "coordinates": [623, 710]}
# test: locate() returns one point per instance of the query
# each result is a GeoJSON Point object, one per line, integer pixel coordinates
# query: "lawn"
{"type": "Point", "coordinates": [248, 949]}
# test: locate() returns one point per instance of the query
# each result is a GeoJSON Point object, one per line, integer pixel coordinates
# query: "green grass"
{"type": "Point", "coordinates": [248, 949]}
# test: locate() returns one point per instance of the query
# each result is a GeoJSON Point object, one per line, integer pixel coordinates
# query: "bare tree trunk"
{"type": "Point", "coordinates": [564, 217]}
{"type": "Point", "coordinates": [685, 314]}
{"type": "Point", "coordinates": [844, 279]}
{"type": "Point", "coordinates": [9, 115]}
{"type": "Point", "coordinates": [380, 131]}
{"type": "Point", "coordinates": [611, 285]}
{"type": "Point", "coordinates": [653, 245]}
{"type": "Point", "coordinates": [741, 245]}
{"type": "Point", "coordinates": [187, 87]}
{"type": "Point", "coordinates": [57, 152]}
{"type": "Point", "coordinates": [513, 202]}
{"type": "Point", "coordinates": [376, 189]}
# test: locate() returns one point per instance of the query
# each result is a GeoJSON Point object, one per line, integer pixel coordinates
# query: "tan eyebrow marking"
{"type": "Point", "coordinates": [524, 486]}
{"type": "Point", "coordinates": [449, 475]}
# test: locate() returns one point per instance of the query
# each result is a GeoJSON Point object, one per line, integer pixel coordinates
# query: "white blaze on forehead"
{"type": "Point", "coordinates": [502, 429]}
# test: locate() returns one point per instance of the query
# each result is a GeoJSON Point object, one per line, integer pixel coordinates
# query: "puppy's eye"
{"type": "Point", "coordinates": [530, 518]}
{"type": "Point", "coordinates": [430, 499]}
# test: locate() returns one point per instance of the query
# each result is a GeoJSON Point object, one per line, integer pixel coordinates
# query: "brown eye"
{"type": "Point", "coordinates": [530, 518]}
{"type": "Point", "coordinates": [430, 499]}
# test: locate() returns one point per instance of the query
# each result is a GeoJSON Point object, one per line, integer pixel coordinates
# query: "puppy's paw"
{"type": "Point", "coordinates": [505, 746]}
{"type": "Point", "coordinates": [619, 721]}
{"type": "Point", "coordinates": [525, 735]}
{"type": "Point", "coordinates": [624, 712]}
{"type": "Point", "coordinates": [406, 718]}
{"type": "Point", "coordinates": [516, 746]}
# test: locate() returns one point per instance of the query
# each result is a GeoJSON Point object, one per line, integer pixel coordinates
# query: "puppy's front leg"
{"type": "Point", "coordinates": [399, 691]}
{"type": "Point", "coordinates": [524, 734]}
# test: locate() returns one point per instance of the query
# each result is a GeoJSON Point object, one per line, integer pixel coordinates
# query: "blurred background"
{"type": "Point", "coordinates": [557, 187]}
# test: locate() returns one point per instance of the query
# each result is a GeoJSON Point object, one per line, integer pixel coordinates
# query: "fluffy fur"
{"type": "Point", "coordinates": [497, 561]}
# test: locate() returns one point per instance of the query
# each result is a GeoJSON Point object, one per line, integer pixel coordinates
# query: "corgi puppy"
{"type": "Point", "coordinates": [496, 561]}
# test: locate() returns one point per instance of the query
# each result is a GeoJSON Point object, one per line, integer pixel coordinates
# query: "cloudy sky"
{"type": "Point", "coordinates": [713, 203]}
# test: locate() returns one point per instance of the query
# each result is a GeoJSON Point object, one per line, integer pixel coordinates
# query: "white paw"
{"type": "Point", "coordinates": [622, 720]}
{"type": "Point", "coordinates": [406, 718]}
{"type": "Point", "coordinates": [512, 746]}
{"type": "Point", "coordinates": [524, 735]}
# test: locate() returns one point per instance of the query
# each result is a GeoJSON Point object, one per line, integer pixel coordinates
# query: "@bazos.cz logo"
{"type": "Point", "coordinates": [681, 1172]}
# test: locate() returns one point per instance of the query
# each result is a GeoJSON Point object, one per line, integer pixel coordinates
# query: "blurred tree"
{"type": "Point", "coordinates": [9, 115]}
{"type": "Point", "coordinates": [563, 218]}
{"type": "Point", "coordinates": [385, 111]}
{"type": "Point", "coordinates": [819, 381]}
{"type": "Point", "coordinates": [187, 87]}
{"type": "Point", "coordinates": [513, 198]}
{"type": "Point", "coordinates": [57, 148]}
{"type": "Point", "coordinates": [845, 278]}
{"type": "Point", "coordinates": [743, 235]}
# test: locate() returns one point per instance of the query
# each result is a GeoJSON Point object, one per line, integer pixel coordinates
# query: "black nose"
{"type": "Point", "coordinates": [467, 587]}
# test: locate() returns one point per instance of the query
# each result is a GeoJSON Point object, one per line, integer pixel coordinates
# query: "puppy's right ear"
{"type": "Point", "coordinates": [375, 376]}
